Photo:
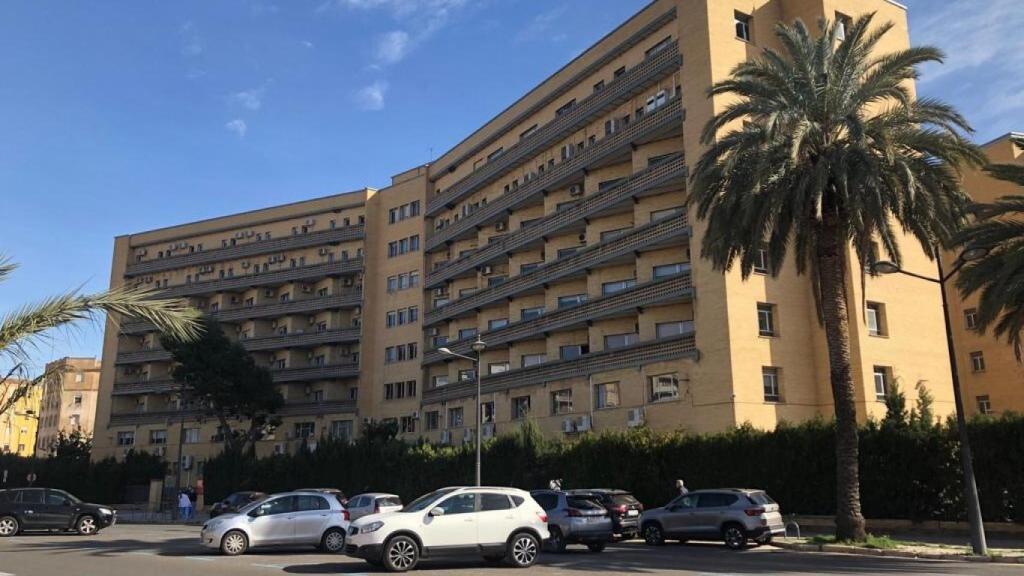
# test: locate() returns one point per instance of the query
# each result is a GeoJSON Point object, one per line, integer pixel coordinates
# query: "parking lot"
{"type": "Point", "coordinates": [145, 550]}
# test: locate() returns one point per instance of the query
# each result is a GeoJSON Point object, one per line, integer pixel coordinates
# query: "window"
{"type": "Point", "coordinates": [459, 504]}
{"type": "Point", "coordinates": [612, 341]}
{"type": "Point", "coordinates": [882, 376]}
{"type": "Point", "coordinates": [742, 26]}
{"type": "Point", "coordinates": [599, 86]}
{"type": "Point", "coordinates": [573, 351]}
{"type": "Point", "coordinates": [528, 131]}
{"type": "Point", "coordinates": [497, 368]}
{"type": "Point", "coordinates": [971, 318]}
{"type": "Point", "coordinates": [78, 397]}
{"type": "Point", "coordinates": [659, 214]}
{"type": "Point", "coordinates": [984, 405]}
{"type": "Point", "coordinates": [404, 246]}
{"type": "Point", "coordinates": [432, 420]}
{"type": "Point", "coordinates": [389, 391]}
{"type": "Point", "coordinates": [158, 437]}
{"type": "Point", "coordinates": [191, 435]}
{"type": "Point", "coordinates": [407, 424]}
{"type": "Point", "coordinates": [283, 505]}
{"type": "Point", "coordinates": [566, 252]}
{"type": "Point", "coordinates": [566, 107]}
{"type": "Point", "coordinates": [658, 47]}
{"type": "Point", "coordinates": [561, 402]}
{"type": "Point", "coordinates": [520, 407]}
{"type": "Point", "coordinates": [617, 286]}
{"type": "Point", "coordinates": [875, 315]}
{"type": "Point", "coordinates": [761, 261]}
{"type": "Point", "coordinates": [716, 500]}
{"type": "Point", "coordinates": [606, 395]}
{"type": "Point", "coordinates": [487, 412]}
{"type": "Point", "coordinates": [455, 417]}
{"type": "Point", "coordinates": [766, 319]}
{"type": "Point", "coordinates": [843, 23]}
{"type": "Point", "coordinates": [669, 329]}
{"type": "Point", "coordinates": [571, 300]}
{"type": "Point", "coordinates": [609, 234]}
{"type": "Point", "coordinates": [391, 319]}
{"type": "Point", "coordinates": [304, 429]}
{"type": "Point", "coordinates": [531, 313]}
{"type": "Point", "coordinates": [669, 269]}
{"type": "Point", "coordinates": [529, 267]}
{"type": "Point", "coordinates": [497, 323]}
{"type": "Point", "coordinates": [770, 381]}
{"type": "Point", "coordinates": [311, 502]}
{"type": "Point", "coordinates": [440, 380]}
{"type": "Point", "coordinates": [664, 387]}
{"type": "Point", "coordinates": [467, 333]}
{"type": "Point", "coordinates": [467, 375]}
{"type": "Point", "coordinates": [341, 429]}
{"type": "Point", "coordinates": [494, 502]}
{"type": "Point", "coordinates": [532, 359]}
{"type": "Point", "coordinates": [410, 388]}
{"type": "Point", "coordinates": [126, 438]}
{"type": "Point", "coordinates": [977, 361]}
{"type": "Point", "coordinates": [619, 72]}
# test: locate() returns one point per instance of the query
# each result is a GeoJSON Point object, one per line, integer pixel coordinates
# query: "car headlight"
{"type": "Point", "coordinates": [212, 524]}
{"type": "Point", "coordinates": [106, 512]}
{"type": "Point", "coordinates": [371, 527]}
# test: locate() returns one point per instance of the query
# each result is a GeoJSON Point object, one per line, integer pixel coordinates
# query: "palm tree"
{"type": "Point", "coordinates": [999, 276]}
{"type": "Point", "coordinates": [833, 151]}
{"type": "Point", "coordinates": [24, 329]}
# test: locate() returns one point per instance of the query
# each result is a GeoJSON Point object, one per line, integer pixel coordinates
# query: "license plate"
{"type": "Point", "coordinates": [633, 513]}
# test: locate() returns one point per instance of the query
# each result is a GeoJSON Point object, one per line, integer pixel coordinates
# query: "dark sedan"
{"type": "Point", "coordinates": [31, 509]}
{"type": "Point", "coordinates": [623, 508]}
{"type": "Point", "coordinates": [234, 502]}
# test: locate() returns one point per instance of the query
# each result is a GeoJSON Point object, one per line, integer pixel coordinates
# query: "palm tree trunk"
{"type": "Point", "coordinates": [832, 264]}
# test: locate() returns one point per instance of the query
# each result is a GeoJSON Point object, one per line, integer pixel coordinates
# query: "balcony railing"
{"type": "Point", "coordinates": [668, 172]}
{"type": "Point", "coordinates": [673, 289]}
{"type": "Point", "coordinates": [250, 280]}
{"type": "Point", "coordinates": [334, 236]}
{"type": "Point", "coordinates": [583, 74]}
{"type": "Point", "coordinates": [283, 375]}
{"type": "Point", "coordinates": [660, 350]}
{"type": "Point", "coordinates": [291, 340]}
{"type": "Point", "coordinates": [345, 299]}
{"type": "Point", "coordinates": [623, 88]}
{"type": "Point", "coordinates": [171, 416]}
{"type": "Point", "coordinates": [666, 120]}
{"type": "Point", "coordinates": [644, 237]}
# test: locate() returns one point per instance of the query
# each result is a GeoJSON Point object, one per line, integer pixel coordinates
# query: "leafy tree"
{"type": "Point", "coordinates": [999, 276]}
{"type": "Point", "coordinates": [895, 407]}
{"type": "Point", "coordinates": [25, 328]}
{"type": "Point", "coordinates": [73, 447]}
{"type": "Point", "coordinates": [222, 378]}
{"type": "Point", "coordinates": [821, 147]}
{"type": "Point", "coordinates": [923, 416]}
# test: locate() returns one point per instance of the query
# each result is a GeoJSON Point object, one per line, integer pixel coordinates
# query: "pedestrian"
{"type": "Point", "coordinates": [555, 484]}
{"type": "Point", "coordinates": [681, 486]}
{"type": "Point", "coordinates": [184, 506]}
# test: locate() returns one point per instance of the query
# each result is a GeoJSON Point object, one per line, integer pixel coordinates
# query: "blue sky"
{"type": "Point", "coordinates": [120, 117]}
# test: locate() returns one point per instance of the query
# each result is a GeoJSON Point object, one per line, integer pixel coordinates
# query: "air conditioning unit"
{"type": "Point", "coordinates": [501, 226]}
{"type": "Point", "coordinates": [310, 222]}
{"type": "Point", "coordinates": [487, 430]}
{"type": "Point", "coordinates": [582, 238]}
{"type": "Point", "coordinates": [584, 424]}
{"type": "Point", "coordinates": [568, 426]}
{"type": "Point", "coordinates": [307, 289]}
{"type": "Point", "coordinates": [576, 190]}
{"type": "Point", "coordinates": [467, 435]}
{"type": "Point", "coordinates": [246, 264]}
{"type": "Point", "coordinates": [439, 292]}
{"type": "Point", "coordinates": [186, 462]}
{"type": "Point", "coordinates": [487, 270]}
{"type": "Point", "coordinates": [446, 436]}
{"type": "Point", "coordinates": [324, 251]}
{"type": "Point", "coordinates": [635, 417]}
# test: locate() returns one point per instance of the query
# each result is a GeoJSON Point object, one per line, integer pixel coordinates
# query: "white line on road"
{"type": "Point", "coordinates": [274, 566]}
{"type": "Point", "coordinates": [199, 558]}
{"type": "Point", "coordinates": [6, 574]}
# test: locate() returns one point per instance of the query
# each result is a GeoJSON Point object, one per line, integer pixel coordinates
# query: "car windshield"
{"type": "Point", "coordinates": [251, 505]}
{"type": "Point", "coordinates": [424, 502]}
{"type": "Point", "coordinates": [760, 498]}
{"type": "Point", "coordinates": [627, 499]}
{"type": "Point", "coordinates": [583, 503]}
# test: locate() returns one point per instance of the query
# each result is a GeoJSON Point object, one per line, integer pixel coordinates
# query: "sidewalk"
{"type": "Point", "coordinates": [130, 516]}
{"type": "Point", "coordinates": [921, 545]}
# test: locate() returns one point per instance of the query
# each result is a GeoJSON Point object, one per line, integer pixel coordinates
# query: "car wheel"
{"type": "Point", "coordinates": [734, 536]}
{"type": "Point", "coordinates": [333, 541]}
{"type": "Point", "coordinates": [556, 542]}
{"type": "Point", "coordinates": [653, 535]}
{"type": "Point", "coordinates": [523, 550]}
{"type": "Point", "coordinates": [87, 526]}
{"type": "Point", "coordinates": [596, 546]}
{"type": "Point", "coordinates": [9, 526]}
{"type": "Point", "coordinates": [234, 543]}
{"type": "Point", "coordinates": [400, 554]}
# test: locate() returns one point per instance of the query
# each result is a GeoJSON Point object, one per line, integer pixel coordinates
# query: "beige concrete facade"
{"type": "Point", "coordinates": [68, 401]}
{"type": "Point", "coordinates": [559, 234]}
{"type": "Point", "coordinates": [991, 378]}
{"type": "Point", "coordinates": [19, 424]}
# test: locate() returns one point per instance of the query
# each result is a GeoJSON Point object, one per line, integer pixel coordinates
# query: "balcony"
{"type": "Point", "coordinates": [285, 375]}
{"type": "Point", "coordinates": [291, 340]}
{"type": "Point", "coordinates": [662, 349]}
{"type": "Point", "coordinates": [334, 236]}
{"type": "Point", "coordinates": [650, 236]}
{"type": "Point", "coordinates": [276, 277]}
{"type": "Point", "coordinates": [618, 91]}
{"type": "Point", "coordinates": [172, 416]}
{"type": "Point", "coordinates": [664, 122]}
{"type": "Point", "coordinates": [673, 289]}
{"type": "Point", "coordinates": [350, 298]}
{"type": "Point", "coordinates": [668, 173]}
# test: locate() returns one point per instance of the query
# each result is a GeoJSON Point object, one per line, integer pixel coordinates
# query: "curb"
{"type": "Point", "coordinates": [905, 554]}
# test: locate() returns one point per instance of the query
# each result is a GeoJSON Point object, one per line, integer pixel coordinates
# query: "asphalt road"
{"type": "Point", "coordinates": [148, 550]}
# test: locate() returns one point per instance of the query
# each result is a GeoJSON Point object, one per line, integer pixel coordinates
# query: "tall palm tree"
{"type": "Point", "coordinates": [999, 276]}
{"type": "Point", "coordinates": [24, 329]}
{"type": "Point", "coordinates": [832, 151]}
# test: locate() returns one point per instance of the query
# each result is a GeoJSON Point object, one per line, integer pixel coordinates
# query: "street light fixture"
{"type": "Point", "coordinates": [977, 525]}
{"type": "Point", "coordinates": [477, 347]}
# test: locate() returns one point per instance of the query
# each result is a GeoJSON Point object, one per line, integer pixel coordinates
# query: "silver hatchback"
{"type": "Point", "coordinates": [289, 519]}
{"type": "Point", "coordinates": [574, 519]}
{"type": "Point", "coordinates": [734, 516]}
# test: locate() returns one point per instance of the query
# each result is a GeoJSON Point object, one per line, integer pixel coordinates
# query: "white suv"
{"type": "Point", "coordinates": [496, 523]}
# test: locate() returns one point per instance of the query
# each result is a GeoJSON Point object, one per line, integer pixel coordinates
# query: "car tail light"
{"type": "Point", "coordinates": [345, 515]}
{"type": "Point", "coordinates": [543, 516]}
{"type": "Point", "coordinates": [622, 509]}
{"type": "Point", "coordinates": [573, 513]}
{"type": "Point", "coordinates": [754, 511]}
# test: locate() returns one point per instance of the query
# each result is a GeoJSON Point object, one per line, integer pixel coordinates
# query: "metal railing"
{"type": "Point", "coordinates": [293, 409]}
{"type": "Point", "coordinates": [277, 341]}
{"type": "Point", "coordinates": [253, 279]}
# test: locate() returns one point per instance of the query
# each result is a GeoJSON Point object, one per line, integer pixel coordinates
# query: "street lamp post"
{"type": "Point", "coordinates": [974, 518]}
{"type": "Point", "coordinates": [477, 347]}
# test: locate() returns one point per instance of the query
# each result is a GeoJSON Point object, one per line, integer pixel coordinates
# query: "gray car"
{"type": "Point", "coordinates": [373, 503]}
{"type": "Point", "coordinates": [732, 515]}
{"type": "Point", "coordinates": [289, 519]}
{"type": "Point", "coordinates": [574, 519]}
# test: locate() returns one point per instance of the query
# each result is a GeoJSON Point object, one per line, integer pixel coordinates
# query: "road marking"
{"type": "Point", "coordinates": [6, 574]}
{"type": "Point", "coordinates": [274, 566]}
{"type": "Point", "coordinates": [141, 553]}
{"type": "Point", "coordinates": [199, 558]}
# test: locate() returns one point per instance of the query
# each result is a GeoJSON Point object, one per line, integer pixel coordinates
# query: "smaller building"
{"type": "Point", "coordinates": [68, 400]}
{"type": "Point", "coordinates": [18, 425]}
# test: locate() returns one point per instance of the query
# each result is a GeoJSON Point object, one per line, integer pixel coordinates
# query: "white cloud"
{"type": "Point", "coordinates": [392, 47]}
{"type": "Point", "coordinates": [541, 24]}
{"type": "Point", "coordinates": [237, 126]}
{"type": "Point", "coordinates": [371, 97]}
{"type": "Point", "coordinates": [419, 20]}
{"type": "Point", "coordinates": [191, 43]}
{"type": "Point", "coordinates": [308, 44]}
{"type": "Point", "coordinates": [972, 33]}
{"type": "Point", "coordinates": [251, 99]}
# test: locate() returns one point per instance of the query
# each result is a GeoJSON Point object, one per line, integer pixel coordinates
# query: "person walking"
{"type": "Point", "coordinates": [681, 487]}
{"type": "Point", "coordinates": [184, 506]}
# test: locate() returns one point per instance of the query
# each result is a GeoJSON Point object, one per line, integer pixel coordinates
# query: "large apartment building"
{"type": "Point", "coordinates": [18, 425]}
{"type": "Point", "coordinates": [557, 233]}
{"type": "Point", "coordinates": [68, 402]}
{"type": "Point", "coordinates": [992, 380]}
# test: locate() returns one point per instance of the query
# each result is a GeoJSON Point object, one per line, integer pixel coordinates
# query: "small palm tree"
{"type": "Point", "coordinates": [999, 276]}
{"type": "Point", "coordinates": [22, 330]}
{"type": "Point", "coordinates": [833, 151]}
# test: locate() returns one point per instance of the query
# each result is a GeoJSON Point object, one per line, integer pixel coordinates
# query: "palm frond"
{"type": "Point", "coordinates": [6, 267]}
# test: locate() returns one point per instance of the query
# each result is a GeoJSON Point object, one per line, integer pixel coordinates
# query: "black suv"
{"type": "Point", "coordinates": [26, 509]}
{"type": "Point", "coordinates": [622, 506]}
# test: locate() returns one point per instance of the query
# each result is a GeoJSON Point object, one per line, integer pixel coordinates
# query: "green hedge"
{"type": "Point", "coordinates": [907, 471]}
{"type": "Point", "coordinates": [105, 481]}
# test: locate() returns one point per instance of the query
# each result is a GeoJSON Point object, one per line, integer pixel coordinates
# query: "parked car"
{"type": "Point", "coordinates": [340, 495]}
{"type": "Point", "coordinates": [574, 519]}
{"type": "Point", "coordinates": [289, 519]}
{"type": "Point", "coordinates": [373, 503]}
{"type": "Point", "coordinates": [623, 508]}
{"type": "Point", "coordinates": [234, 502]}
{"type": "Point", "coordinates": [30, 509]}
{"type": "Point", "coordinates": [497, 523]}
{"type": "Point", "coordinates": [732, 515]}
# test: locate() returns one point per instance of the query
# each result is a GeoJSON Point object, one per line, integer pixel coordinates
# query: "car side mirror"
{"type": "Point", "coordinates": [437, 512]}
